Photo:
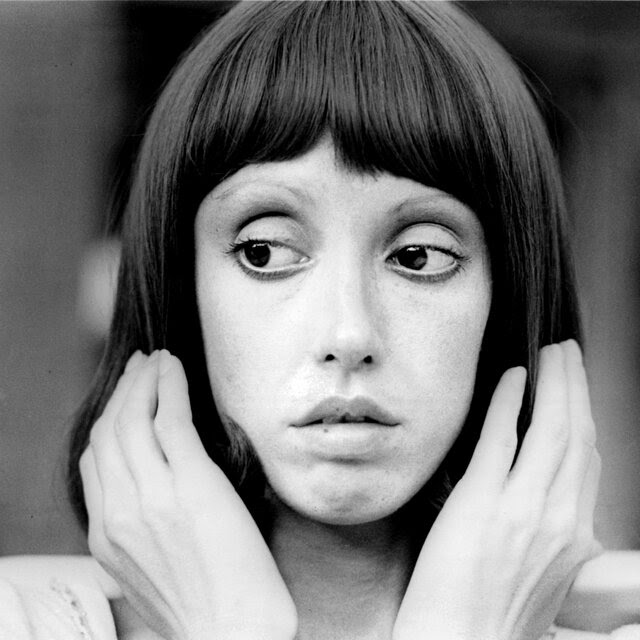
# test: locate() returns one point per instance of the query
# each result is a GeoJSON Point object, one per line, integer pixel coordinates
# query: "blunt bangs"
{"type": "Point", "coordinates": [387, 81]}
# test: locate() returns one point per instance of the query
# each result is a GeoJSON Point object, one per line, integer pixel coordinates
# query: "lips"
{"type": "Point", "coordinates": [337, 410]}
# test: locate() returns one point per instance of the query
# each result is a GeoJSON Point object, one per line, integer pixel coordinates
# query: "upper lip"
{"type": "Point", "coordinates": [357, 409]}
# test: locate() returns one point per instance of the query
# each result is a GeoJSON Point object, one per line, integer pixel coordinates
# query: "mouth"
{"type": "Point", "coordinates": [357, 410]}
{"type": "Point", "coordinates": [345, 419]}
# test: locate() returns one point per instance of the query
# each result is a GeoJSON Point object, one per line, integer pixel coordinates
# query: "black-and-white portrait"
{"type": "Point", "coordinates": [319, 320]}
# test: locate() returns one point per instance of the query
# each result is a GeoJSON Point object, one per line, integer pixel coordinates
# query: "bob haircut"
{"type": "Point", "coordinates": [410, 88]}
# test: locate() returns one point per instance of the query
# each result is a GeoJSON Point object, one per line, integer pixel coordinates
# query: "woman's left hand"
{"type": "Point", "coordinates": [508, 543]}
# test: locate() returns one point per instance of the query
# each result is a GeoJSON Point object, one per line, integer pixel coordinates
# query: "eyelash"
{"type": "Point", "coordinates": [416, 276]}
{"type": "Point", "coordinates": [234, 248]}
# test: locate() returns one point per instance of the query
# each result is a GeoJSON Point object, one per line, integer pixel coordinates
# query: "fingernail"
{"type": "Point", "coordinates": [134, 359]}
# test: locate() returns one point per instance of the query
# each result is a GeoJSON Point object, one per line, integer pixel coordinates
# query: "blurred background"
{"type": "Point", "coordinates": [77, 80]}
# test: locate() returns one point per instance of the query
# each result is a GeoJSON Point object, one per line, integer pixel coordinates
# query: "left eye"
{"type": "Point", "coordinates": [423, 258]}
{"type": "Point", "coordinates": [268, 255]}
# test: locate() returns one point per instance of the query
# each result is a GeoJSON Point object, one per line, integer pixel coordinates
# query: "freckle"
{"type": "Point", "coordinates": [326, 430]}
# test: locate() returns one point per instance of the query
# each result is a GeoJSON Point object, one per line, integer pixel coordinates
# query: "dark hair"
{"type": "Point", "coordinates": [414, 89]}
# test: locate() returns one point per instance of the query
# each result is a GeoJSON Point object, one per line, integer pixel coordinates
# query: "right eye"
{"type": "Point", "coordinates": [267, 257]}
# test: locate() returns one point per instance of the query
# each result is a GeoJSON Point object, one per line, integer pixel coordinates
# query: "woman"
{"type": "Point", "coordinates": [344, 254]}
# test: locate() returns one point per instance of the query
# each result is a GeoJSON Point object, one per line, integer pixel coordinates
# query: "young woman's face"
{"type": "Point", "coordinates": [342, 317]}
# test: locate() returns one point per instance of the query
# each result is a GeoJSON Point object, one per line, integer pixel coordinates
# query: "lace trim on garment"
{"type": "Point", "coordinates": [73, 608]}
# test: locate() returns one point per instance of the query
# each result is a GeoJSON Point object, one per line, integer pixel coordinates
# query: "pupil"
{"type": "Point", "coordinates": [258, 254]}
{"type": "Point", "coordinates": [413, 258]}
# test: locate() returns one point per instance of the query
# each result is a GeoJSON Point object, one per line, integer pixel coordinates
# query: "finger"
{"type": "Point", "coordinates": [114, 476]}
{"type": "Point", "coordinates": [548, 436]}
{"type": "Point", "coordinates": [121, 389]}
{"type": "Point", "coordinates": [134, 360]}
{"type": "Point", "coordinates": [589, 495]}
{"type": "Point", "coordinates": [583, 426]}
{"type": "Point", "coordinates": [174, 428]}
{"type": "Point", "coordinates": [571, 475]}
{"type": "Point", "coordinates": [493, 455]}
{"type": "Point", "coordinates": [111, 469]}
{"type": "Point", "coordinates": [580, 402]}
{"type": "Point", "coordinates": [134, 426]}
{"type": "Point", "coordinates": [93, 498]}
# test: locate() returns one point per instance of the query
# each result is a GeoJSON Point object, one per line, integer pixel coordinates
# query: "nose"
{"type": "Point", "coordinates": [349, 332]}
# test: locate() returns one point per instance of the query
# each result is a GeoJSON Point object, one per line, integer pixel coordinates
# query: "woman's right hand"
{"type": "Point", "coordinates": [168, 526]}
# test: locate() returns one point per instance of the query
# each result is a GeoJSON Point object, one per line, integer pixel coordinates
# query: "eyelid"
{"type": "Point", "coordinates": [236, 247]}
{"type": "Point", "coordinates": [273, 226]}
{"type": "Point", "coordinates": [262, 213]}
{"type": "Point", "coordinates": [427, 226]}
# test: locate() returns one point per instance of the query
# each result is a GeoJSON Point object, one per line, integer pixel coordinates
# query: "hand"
{"type": "Point", "coordinates": [508, 543]}
{"type": "Point", "coordinates": [166, 523]}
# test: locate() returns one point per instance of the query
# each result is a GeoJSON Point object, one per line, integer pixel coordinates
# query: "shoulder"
{"type": "Point", "coordinates": [55, 595]}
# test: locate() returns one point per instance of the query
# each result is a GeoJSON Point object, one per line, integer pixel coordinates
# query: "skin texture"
{"type": "Point", "coordinates": [343, 319]}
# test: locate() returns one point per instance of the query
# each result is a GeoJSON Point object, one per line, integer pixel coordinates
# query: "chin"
{"type": "Point", "coordinates": [345, 508]}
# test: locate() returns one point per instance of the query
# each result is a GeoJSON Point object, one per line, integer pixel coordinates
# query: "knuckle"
{"type": "Point", "coordinates": [97, 433]}
{"type": "Point", "coordinates": [156, 509]}
{"type": "Point", "coordinates": [122, 424]}
{"type": "Point", "coordinates": [83, 462]}
{"type": "Point", "coordinates": [585, 541]}
{"type": "Point", "coordinates": [521, 519]}
{"type": "Point", "coordinates": [508, 441]}
{"type": "Point", "coordinates": [559, 433]}
{"type": "Point", "coordinates": [117, 524]}
{"type": "Point", "coordinates": [581, 551]}
{"type": "Point", "coordinates": [97, 543]}
{"type": "Point", "coordinates": [519, 516]}
{"type": "Point", "coordinates": [562, 528]}
{"type": "Point", "coordinates": [589, 435]}
{"type": "Point", "coordinates": [526, 503]}
{"type": "Point", "coordinates": [162, 424]}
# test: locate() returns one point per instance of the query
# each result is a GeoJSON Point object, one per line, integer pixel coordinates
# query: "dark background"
{"type": "Point", "coordinates": [76, 82]}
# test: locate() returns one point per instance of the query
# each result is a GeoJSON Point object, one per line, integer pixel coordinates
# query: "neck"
{"type": "Point", "coordinates": [346, 581]}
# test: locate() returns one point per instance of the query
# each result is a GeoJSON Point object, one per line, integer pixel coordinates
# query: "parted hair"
{"type": "Point", "coordinates": [416, 89]}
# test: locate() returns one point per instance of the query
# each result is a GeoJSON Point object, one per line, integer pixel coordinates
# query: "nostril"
{"type": "Point", "coordinates": [368, 360]}
{"type": "Point", "coordinates": [329, 357]}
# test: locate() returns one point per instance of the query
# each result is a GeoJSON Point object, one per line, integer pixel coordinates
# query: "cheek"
{"type": "Point", "coordinates": [245, 349]}
{"type": "Point", "coordinates": [437, 348]}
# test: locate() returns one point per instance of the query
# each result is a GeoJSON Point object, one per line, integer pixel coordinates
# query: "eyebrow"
{"type": "Point", "coordinates": [436, 202]}
{"type": "Point", "coordinates": [232, 190]}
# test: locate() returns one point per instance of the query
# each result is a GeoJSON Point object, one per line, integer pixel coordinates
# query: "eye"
{"type": "Point", "coordinates": [425, 260]}
{"type": "Point", "coordinates": [267, 256]}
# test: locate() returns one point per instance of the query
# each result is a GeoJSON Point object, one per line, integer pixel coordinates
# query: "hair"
{"type": "Point", "coordinates": [411, 88]}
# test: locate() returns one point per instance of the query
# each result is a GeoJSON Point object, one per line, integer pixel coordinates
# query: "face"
{"type": "Point", "coordinates": [342, 317]}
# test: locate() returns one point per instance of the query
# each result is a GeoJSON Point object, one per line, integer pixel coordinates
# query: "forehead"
{"type": "Point", "coordinates": [316, 175]}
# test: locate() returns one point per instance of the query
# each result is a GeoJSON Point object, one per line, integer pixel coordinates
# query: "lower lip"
{"type": "Point", "coordinates": [346, 440]}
